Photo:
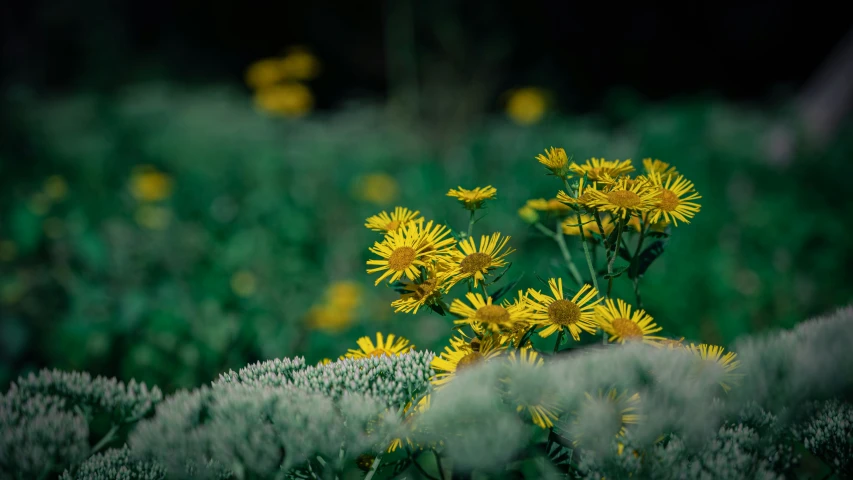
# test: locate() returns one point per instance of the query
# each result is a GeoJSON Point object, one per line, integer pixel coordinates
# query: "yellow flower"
{"type": "Point", "coordinates": [300, 64]}
{"type": "Point", "coordinates": [376, 188]}
{"type": "Point", "coordinates": [264, 73]}
{"type": "Point", "coordinates": [424, 292]}
{"type": "Point", "coordinates": [551, 205]}
{"type": "Point", "coordinates": [462, 354]}
{"type": "Point", "coordinates": [473, 199]}
{"type": "Point", "coordinates": [560, 313]}
{"type": "Point", "coordinates": [483, 315]}
{"type": "Point", "coordinates": [528, 214]}
{"type": "Point", "coordinates": [542, 406]}
{"type": "Point", "coordinates": [601, 169]}
{"type": "Point", "coordinates": [527, 105]}
{"type": "Point", "coordinates": [329, 318]}
{"type": "Point", "coordinates": [622, 325]}
{"type": "Point", "coordinates": [324, 361]}
{"type": "Point", "coordinates": [383, 346]}
{"type": "Point", "coordinates": [153, 217]}
{"type": "Point", "coordinates": [344, 295]}
{"type": "Point", "coordinates": [475, 262]}
{"type": "Point", "coordinates": [515, 335]}
{"type": "Point", "coordinates": [583, 197]}
{"type": "Point", "coordinates": [399, 218]}
{"type": "Point", "coordinates": [659, 167]}
{"type": "Point", "coordinates": [555, 160]}
{"type": "Point", "coordinates": [624, 411]}
{"type": "Point", "coordinates": [670, 343]}
{"type": "Point", "coordinates": [56, 188]}
{"type": "Point", "coordinates": [623, 199]}
{"type": "Point", "coordinates": [673, 199]}
{"type": "Point", "coordinates": [410, 415]}
{"type": "Point", "coordinates": [244, 283]}
{"type": "Point", "coordinates": [285, 99]}
{"type": "Point", "coordinates": [590, 226]}
{"type": "Point", "coordinates": [150, 185]}
{"type": "Point", "coordinates": [405, 251]}
{"type": "Point", "coordinates": [714, 354]}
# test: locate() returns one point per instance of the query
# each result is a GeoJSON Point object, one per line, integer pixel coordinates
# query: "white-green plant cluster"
{"type": "Point", "coordinates": [287, 419]}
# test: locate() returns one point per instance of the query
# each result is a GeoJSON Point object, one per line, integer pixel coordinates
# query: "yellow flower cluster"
{"type": "Point", "coordinates": [278, 82]}
{"type": "Point", "coordinates": [338, 308]}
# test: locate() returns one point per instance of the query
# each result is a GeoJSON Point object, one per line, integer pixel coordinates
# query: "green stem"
{"type": "Point", "coordinates": [471, 224]}
{"type": "Point", "coordinates": [637, 292]}
{"type": "Point", "coordinates": [620, 226]}
{"type": "Point", "coordinates": [373, 468]}
{"type": "Point", "coordinates": [418, 465]}
{"type": "Point", "coordinates": [438, 464]}
{"type": "Point", "coordinates": [586, 251]}
{"type": "Point", "coordinates": [644, 228]}
{"type": "Point", "coordinates": [483, 285]}
{"type": "Point", "coordinates": [559, 341]}
{"type": "Point", "coordinates": [105, 440]}
{"type": "Point", "coordinates": [525, 337]}
{"type": "Point", "coordinates": [567, 256]}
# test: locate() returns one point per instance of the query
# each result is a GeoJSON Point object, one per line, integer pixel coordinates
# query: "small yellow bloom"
{"type": "Point", "coordinates": [559, 313]}
{"type": "Point", "coordinates": [56, 188]}
{"type": "Point", "coordinates": [590, 226]}
{"type": "Point", "coordinates": [528, 214]}
{"type": "Point", "coordinates": [527, 105]}
{"type": "Point", "coordinates": [286, 99]}
{"type": "Point", "coordinates": [153, 217]}
{"type": "Point", "coordinates": [462, 354]}
{"type": "Point", "coordinates": [599, 169]}
{"type": "Point", "coordinates": [483, 315]}
{"type": "Point", "coordinates": [377, 188]}
{"type": "Point", "coordinates": [714, 354]}
{"type": "Point", "coordinates": [344, 295]}
{"type": "Point", "coordinates": [555, 160]}
{"type": "Point", "coordinates": [383, 346]}
{"type": "Point", "coordinates": [243, 283]}
{"type": "Point", "coordinates": [404, 252]}
{"type": "Point", "coordinates": [542, 406]}
{"type": "Point", "coordinates": [623, 199]}
{"type": "Point", "coordinates": [622, 325]}
{"type": "Point", "coordinates": [673, 199]}
{"type": "Point", "coordinates": [473, 199]}
{"type": "Point", "coordinates": [324, 361]}
{"type": "Point", "coordinates": [148, 184]}
{"type": "Point", "coordinates": [624, 408]}
{"type": "Point", "coordinates": [661, 168]}
{"type": "Point", "coordinates": [399, 218]}
{"type": "Point", "coordinates": [300, 64]}
{"type": "Point", "coordinates": [471, 261]}
{"type": "Point", "coordinates": [264, 73]}
{"type": "Point", "coordinates": [329, 318]}
{"type": "Point", "coordinates": [551, 205]}
{"type": "Point", "coordinates": [424, 291]}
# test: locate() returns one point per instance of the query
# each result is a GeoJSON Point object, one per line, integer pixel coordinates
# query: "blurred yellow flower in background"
{"type": "Point", "coordinates": [528, 214]}
{"type": "Point", "coordinates": [149, 184]}
{"type": "Point", "coordinates": [56, 188]}
{"type": "Point", "coordinates": [377, 188]}
{"type": "Point", "coordinates": [526, 106]}
{"type": "Point", "coordinates": [244, 283]}
{"type": "Point", "coordinates": [265, 72]}
{"type": "Point", "coordinates": [300, 64]}
{"type": "Point", "coordinates": [287, 99]}
{"type": "Point", "coordinates": [337, 310]}
{"type": "Point", "coordinates": [153, 217]}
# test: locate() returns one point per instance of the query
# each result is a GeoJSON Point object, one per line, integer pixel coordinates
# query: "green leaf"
{"type": "Point", "coordinates": [503, 290]}
{"type": "Point", "coordinates": [498, 278]}
{"type": "Point", "coordinates": [438, 309]}
{"type": "Point", "coordinates": [645, 258]}
{"type": "Point", "coordinates": [658, 234]}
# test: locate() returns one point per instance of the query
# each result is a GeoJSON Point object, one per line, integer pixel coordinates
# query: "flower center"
{"type": "Point", "coordinates": [401, 258]}
{"type": "Point", "coordinates": [627, 329]}
{"type": "Point", "coordinates": [394, 225]}
{"type": "Point", "coordinates": [668, 200]}
{"type": "Point", "coordinates": [426, 289]}
{"type": "Point", "coordinates": [623, 198]}
{"type": "Point", "coordinates": [475, 262]}
{"type": "Point", "coordinates": [564, 312]}
{"type": "Point", "coordinates": [379, 352]}
{"type": "Point", "coordinates": [472, 358]}
{"type": "Point", "coordinates": [492, 314]}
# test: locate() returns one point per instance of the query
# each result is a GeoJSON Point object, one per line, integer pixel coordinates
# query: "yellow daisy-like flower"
{"type": "Point", "coordinates": [555, 160]}
{"type": "Point", "coordinates": [483, 315]}
{"type": "Point", "coordinates": [471, 261]}
{"type": "Point", "coordinates": [662, 168]}
{"type": "Point", "coordinates": [625, 409]}
{"type": "Point", "coordinates": [552, 205]}
{"type": "Point", "coordinates": [473, 199]}
{"type": "Point", "coordinates": [410, 415]}
{"type": "Point", "coordinates": [714, 354]}
{"type": "Point", "coordinates": [624, 199]}
{"type": "Point", "coordinates": [399, 218]}
{"type": "Point", "coordinates": [542, 407]}
{"type": "Point", "coordinates": [584, 196]}
{"type": "Point", "coordinates": [462, 354]}
{"type": "Point", "coordinates": [405, 251]}
{"type": "Point", "coordinates": [528, 214]}
{"type": "Point", "coordinates": [516, 335]}
{"type": "Point", "coordinates": [425, 291]}
{"type": "Point", "coordinates": [590, 226]}
{"type": "Point", "coordinates": [560, 313]}
{"type": "Point", "coordinates": [383, 346]}
{"type": "Point", "coordinates": [624, 326]}
{"type": "Point", "coordinates": [601, 169]}
{"type": "Point", "coordinates": [673, 199]}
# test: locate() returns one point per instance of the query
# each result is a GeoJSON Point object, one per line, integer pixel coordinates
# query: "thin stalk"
{"type": "Point", "coordinates": [438, 464]}
{"type": "Point", "coordinates": [559, 341]}
{"type": "Point", "coordinates": [620, 226]}
{"type": "Point", "coordinates": [105, 440]}
{"type": "Point", "coordinates": [418, 466]}
{"type": "Point", "coordinates": [471, 224]}
{"type": "Point", "coordinates": [634, 265]}
{"type": "Point", "coordinates": [373, 468]}
{"type": "Point", "coordinates": [567, 256]}
{"type": "Point", "coordinates": [586, 251]}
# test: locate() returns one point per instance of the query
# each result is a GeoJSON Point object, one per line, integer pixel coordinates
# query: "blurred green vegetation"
{"type": "Point", "coordinates": [222, 254]}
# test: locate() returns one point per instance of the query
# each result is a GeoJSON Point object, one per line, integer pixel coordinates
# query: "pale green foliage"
{"type": "Point", "coordinates": [828, 434]}
{"type": "Point", "coordinates": [115, 464]}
